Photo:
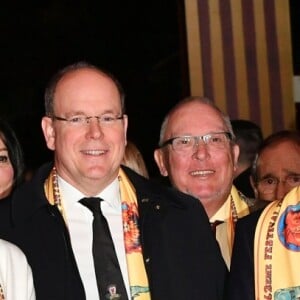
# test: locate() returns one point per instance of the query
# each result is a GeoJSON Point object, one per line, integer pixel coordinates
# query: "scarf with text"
{"type": "Point", "coordinates": [277, 249]}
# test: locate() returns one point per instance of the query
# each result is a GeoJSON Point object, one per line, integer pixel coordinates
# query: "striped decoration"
{"type": "Point", "coordinates": [239, 54]}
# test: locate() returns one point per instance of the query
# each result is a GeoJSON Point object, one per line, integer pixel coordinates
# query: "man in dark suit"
{"type": "Point", "coordinates": [274, 174]}
{"type": "Point", "coordinates": [161, 238]}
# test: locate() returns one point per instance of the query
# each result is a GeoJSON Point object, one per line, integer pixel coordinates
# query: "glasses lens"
{"type": "Point", "coordinates": [184, 143]}
{"type": "Point", "coordinates": [216, 140]}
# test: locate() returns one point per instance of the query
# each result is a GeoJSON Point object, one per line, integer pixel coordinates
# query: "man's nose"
{"type": "Point", "coordinates": [281, 190]}
{"type": "Point", "coordinates": [94, 128]}
{"type": "Point", "coordinates": [200, 150]}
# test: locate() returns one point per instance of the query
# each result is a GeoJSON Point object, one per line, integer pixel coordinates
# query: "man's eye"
{"type": "Point", "coordinates": [269, 181]}
{"type": "Point", "coordinates": [294, 179]}
{"type": "Point", "coordinates": [76, 120]}
{"type": "Point", "coordinates": [107, 119]}
{"type": "Point", "coordinates": [3, 158]}
{"type": "Point", "coordinates": [185, 141]}
{"type": "Point", "coordinates": [215, 139]}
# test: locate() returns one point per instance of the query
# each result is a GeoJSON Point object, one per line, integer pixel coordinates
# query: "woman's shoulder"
{"type": "Point", "coordinates": [9, 250]}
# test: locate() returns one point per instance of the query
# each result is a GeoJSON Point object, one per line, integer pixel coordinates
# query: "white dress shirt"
{"type": "Point", "coordinates": [80, 224]}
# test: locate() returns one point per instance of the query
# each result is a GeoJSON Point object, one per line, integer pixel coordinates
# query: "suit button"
{"type": "Point", "coordinates": [147, 260]}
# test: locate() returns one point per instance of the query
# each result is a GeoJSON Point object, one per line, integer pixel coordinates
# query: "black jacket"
{"type": "Point", "coordinates": [241, 278]}
{"type": "Point", "coordinates": [181, 256]}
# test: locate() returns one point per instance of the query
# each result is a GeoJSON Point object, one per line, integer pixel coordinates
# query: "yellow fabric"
{"type": "Point", "coordinates": [277, 249]}
{"type": "Point", "coordinates": [138, 280]}
{"type": "Point", "coordinates": [226, 213]}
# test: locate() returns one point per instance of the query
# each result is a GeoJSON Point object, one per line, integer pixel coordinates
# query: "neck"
{"type": "Point", "coordinates": [212, 206]}
{"type": "Point", "coordinates": [87, 186]}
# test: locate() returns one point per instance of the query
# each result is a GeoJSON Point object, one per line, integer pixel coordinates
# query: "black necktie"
{"type": "Point", "coordinates": [109, 277]}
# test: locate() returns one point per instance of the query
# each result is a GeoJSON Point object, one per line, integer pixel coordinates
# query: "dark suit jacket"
{"type": "Point", "coordinates": [241, 278]}
{"type": "Point", "coordinates": [181, 256]}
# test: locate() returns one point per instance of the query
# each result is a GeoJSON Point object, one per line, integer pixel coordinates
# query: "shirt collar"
{"type": "Point", "coordinates": [223, 212]}
{"type": "Point", "coordinates": [70, 195]}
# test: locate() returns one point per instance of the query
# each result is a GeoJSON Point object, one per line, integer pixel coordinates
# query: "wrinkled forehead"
{"type": "Point", "coordinates": [195, 118]}
{"type": "Point", "coordinates": [280, 151]}
{"type": "Point", "coordinates": [280, 158]}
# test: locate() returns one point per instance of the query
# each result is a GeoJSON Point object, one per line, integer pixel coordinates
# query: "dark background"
{"type": "Point", "coordinates": [141, 42]}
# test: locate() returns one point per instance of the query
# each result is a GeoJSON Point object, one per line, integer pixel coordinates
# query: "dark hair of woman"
{"type": "Point", "coordinates": [14, 149]}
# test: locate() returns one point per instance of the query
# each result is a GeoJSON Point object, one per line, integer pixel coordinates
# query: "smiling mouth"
{"type": "Point", "coordinates": [93, 152]}
{"type": "Point", "coordinates": [202, 173]}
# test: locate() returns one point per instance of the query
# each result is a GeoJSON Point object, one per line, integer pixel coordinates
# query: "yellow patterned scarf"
{"type": "Point", "coordinates": [233, 209]}
{"type": "Point", "coordinates": [138, 280]}
{"type": "Point", "coordinates": [277, 249]}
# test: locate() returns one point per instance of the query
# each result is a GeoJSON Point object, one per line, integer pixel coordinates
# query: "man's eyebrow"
{"type": "Point", "coordinates": [289, 172]}
{"type": "Point", "coordinates": [268, 175]}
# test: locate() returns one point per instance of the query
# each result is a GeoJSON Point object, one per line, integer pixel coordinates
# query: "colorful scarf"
{"type": "Point", "coordinates": [234, 208]}
{"type": "Point", "coordinates": [138, 280]}
{"type": "Point", "coordinates": [277, 250]}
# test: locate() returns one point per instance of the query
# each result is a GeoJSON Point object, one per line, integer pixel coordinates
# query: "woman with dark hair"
{"type": "Point", "coordinates": [11, 160]}
{"type": "Point", "coordinates": [16, 281]}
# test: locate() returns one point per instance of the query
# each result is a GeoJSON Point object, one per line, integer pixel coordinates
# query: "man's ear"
{"type": "Point", "coordinates": [236, 153]}
{"type": "Point", "coordinates": [125, 120]}
{"type": "Point", "coordinates": [49, 132]}
{"type": "Point", "coordinates": [160, 161]}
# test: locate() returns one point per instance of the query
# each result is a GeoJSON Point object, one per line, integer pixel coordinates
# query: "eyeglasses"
{"type": "Point", "coordinates": [186, 143]}
{"type": "Point", "coordinates": [105, 120]}
{"type": "Point", "coordinates": [269, 184]}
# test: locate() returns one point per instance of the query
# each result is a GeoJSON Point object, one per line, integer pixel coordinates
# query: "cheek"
{"type": "Point", "coordinates": [177, 163]}
{"type": "Point", "coordinates": [65, 139]}
{"type": "Point", "coordinates": [6, 176]}
{"type": "Point", "coordinates": [178, 167]}
{"type": "Point", "coordinates": [227, 162]}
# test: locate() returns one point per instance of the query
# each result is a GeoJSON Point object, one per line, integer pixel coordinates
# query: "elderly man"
{"type": "Point", "coordinates": [198, 153]}
{"type": "Point", "coordinates": [276, 169]}
{"type": "Point", "coordinates": [275, 172]}
{"type": "Point", "coordinates": [92, 229]}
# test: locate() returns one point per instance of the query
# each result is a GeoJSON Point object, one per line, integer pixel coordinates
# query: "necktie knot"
{"type": "Point", "coordinates": [215, 224]}
{"type": "Point", "coordinates": [92, 203]}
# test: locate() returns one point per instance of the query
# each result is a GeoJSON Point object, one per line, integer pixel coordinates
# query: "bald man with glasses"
{"type": "Point", "coordinates": [197, 151]}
